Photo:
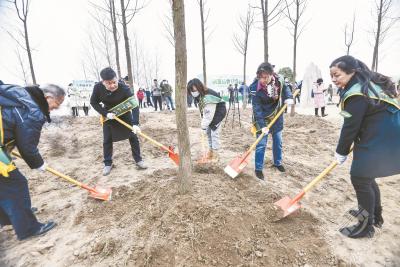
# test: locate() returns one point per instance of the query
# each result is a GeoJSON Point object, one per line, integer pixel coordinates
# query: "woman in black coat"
{"type": "Point", "coordinates": [371, 110]}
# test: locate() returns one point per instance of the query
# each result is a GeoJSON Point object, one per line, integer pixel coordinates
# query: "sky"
{"type": "Point", "coordinates": [59, 33]}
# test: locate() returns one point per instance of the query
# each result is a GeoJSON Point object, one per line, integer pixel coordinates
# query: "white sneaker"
{"type": "Point", "coordinates": [140, 165]}
{"type": "Point", "coordinates": [107, 170]}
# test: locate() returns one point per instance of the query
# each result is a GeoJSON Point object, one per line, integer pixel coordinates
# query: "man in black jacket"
{"type": "Point", "coordinates": [111, 93]}
{"type": "Point", "coordinates": [23, 113]}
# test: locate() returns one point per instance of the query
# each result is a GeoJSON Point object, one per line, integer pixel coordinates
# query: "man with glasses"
{"type": "Point", "coordinates": [108, 94]}
{"type": "Point", "coordinates": [23, 112]}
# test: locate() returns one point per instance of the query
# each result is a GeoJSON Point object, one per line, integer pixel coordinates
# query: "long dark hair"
{"type": "Point", "coordinates": [199, 86]}
{"type": "Point", "coordinates": [364, 75]}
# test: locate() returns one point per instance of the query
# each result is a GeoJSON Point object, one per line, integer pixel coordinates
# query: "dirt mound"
{"type": "Point", "coordinates": [220, 223]}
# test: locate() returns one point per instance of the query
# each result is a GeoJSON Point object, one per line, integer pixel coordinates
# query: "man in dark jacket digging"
{"type": "Point", "coordinates": [117, 100]}
{"type": "Point", "coordinates": [23, 113]}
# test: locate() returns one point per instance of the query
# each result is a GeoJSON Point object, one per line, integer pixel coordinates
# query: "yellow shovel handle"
{"type": "Point", "coordinates": [323, 174]}
{"type": "Point", "coordinates": [69, 179]}
{"type": "Point", "coordinates": [282, 109]}
{"type": "Point", "coordinates": [142, 134]}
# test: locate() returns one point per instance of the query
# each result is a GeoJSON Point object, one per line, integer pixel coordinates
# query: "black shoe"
{"type": "Point", "coordinates": [260, 175]}
{"type": "Point", "coordinates": [359, 230]}
{"type": "Point", "coordinates": [280, 168]}
{"type": "Point", "coordinates": [45, 228]}
{"type": "Point", "coordinates": [378, 220]}
{"type": "Point", "coordinates": [324, 115]}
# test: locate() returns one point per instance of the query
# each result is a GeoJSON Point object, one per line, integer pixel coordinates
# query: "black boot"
{"type": "Point", "coordinates": [323, 112]}
{"type": "Point", "coordinates": [260, 175]}
{"type": "Point", "coordinates": [316, 112]}
{"type": "Point", "coordinates": [363, 228]}
{"type": "Point", "coordinates": [378, 220]}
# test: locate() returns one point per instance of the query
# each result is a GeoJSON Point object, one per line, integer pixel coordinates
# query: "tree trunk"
{"type": "Point", "coordinates": [28, 50]}
{"type": "Point", "coordinates": [185, 164]}
{"type": "Point", "coordinates": [244, 79]}
{"type": "Point", "coordinates": [127, 50]}
{"type": "Point", "coordinates": [264, 8]}
{"type": "Point", "coordinates": [374, 66]}
{"type": "Point", "coordinates": [203, 43]}
{"type": "Point", "coordinates": [295, 42]}
{"type": "Point", "coordinates": [115, 36]}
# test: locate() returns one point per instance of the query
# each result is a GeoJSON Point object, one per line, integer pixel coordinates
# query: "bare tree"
{"type": "Point", "coordinates": [349, 35]}
{"type": "Point", "coordinates": [185, 163]}
{"type": "Point", "coordinates": [169, 27]}
{"type": "Point", "coordinates": [270, 16]}
{"type": "Point", "coordinates": [294, 11]}
{"type": "Point", "coordinates": [385, 21]}
{"type": "Point", "coordinates": [203, 21]}
{"type": "Point", "coordinates": [109, 8]}
{"type": "Point", "coordinates": [22, 66]}
{"type": "Point", "coordinates": [127, 14]}
{"type": "Point", "coordinates": [22, 9]}
{"type": "Point", "coordinates": [241, 42]}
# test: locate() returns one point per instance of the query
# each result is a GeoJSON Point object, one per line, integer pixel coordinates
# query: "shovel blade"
{"type": "Point", "coordinates": [285, 207]}
{"type": "Point", "coordinates": [101, 193]}
{"type": "Point", "coordinates": [236, 166]}
{"type": "Point", "coordinates": [172, 155]}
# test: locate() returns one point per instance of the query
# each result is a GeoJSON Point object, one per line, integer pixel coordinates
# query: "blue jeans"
{"type": "Point", "coordinates": [170, 103]}
{"type": "Point", "coordinates": [276, 150]}
{"type": "Point", "coordinates": [15, 205]}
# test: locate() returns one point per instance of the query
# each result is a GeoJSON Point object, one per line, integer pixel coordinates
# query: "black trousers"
{"type": "Point", "coordinates": [140, 103]}
{"type": "Point", "coordinates": [108, 147]}
{"type": "Point", "coordinates": [157, 99]}
{"type": "Point", "coordinates": [15, 205]}
{"type": "Point", "coordinates": [368, 195]}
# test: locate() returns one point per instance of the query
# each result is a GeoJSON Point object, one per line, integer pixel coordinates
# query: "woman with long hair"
{"type": "Point", "coordinates": [371, 110]}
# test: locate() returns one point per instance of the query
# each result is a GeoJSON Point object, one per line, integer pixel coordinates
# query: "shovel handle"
{"type": "Point", "coordinates": [281, 110]}
{"type": "Point", "coordinates": [144, 136]}
{"type": "Point", "coordinates": [59, 174]}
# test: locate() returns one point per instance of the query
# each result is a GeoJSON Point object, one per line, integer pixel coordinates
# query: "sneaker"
{"type": "Point", "coordinates": [140, 165]}
{"type": "Point", "coordinates": [359, 230]}
{"type": "Point", "coordinates": [45, 228]}
{"type": "Point", "coordinates": [260, 175]}
{"type": "Point", "coordinates": [107, 170]}
{"type": "Point", "coordinates": [280, 168]}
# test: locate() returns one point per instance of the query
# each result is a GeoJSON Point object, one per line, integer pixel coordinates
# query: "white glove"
{"type": "Point", "coordinates": [110, 116]}
{"type": "Point", "coordinates": [265, 130]}
{"type": "Point", "coordinates": [289, 101]}
{"type": "Point", "coordinates": [42, 168]}
{"type": "Point", "coordinates": [136, 129]}
{"type": "Point", "coordinates": [340, 158]}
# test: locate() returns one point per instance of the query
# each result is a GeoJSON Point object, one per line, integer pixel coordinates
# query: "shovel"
{"type": "Point", "coordinates": [172, 155]}
{"type": "Point", "coordinates": [236, 166]}
{"type": "Point", "coordinates": [287, 206]}
{"type": "Point", "coordinates": [97, 192]}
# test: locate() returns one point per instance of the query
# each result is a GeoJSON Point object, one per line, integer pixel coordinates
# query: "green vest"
{"type": "Point", "coordinates": [6, 164]}
{"type": "Point", "coordinates": [123, 107]}
{"type": "Point", "coordinates": [356, 90]}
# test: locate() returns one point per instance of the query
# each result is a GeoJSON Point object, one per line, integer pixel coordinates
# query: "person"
{"type": "Point", "coordinates": [148, 97]}
{"type": "Point", "coordinates": [111, 94]}
{"type": "Point", "coordinates": [231, 95]}
{"type": "Point", "coordinates": [269, 91]}
{"type": "Point", "coordinates": [73, 95]}
{"type": "Point", "coordinates": [140, 97]}
{"type": "Point", "coordinates": [156, 90]}
{"type": "Point", "coordinates": [166, 91]}
{"type": "Point", "coordinates": [213, 111]}
{"type": "Point", "coordinates": [298, 86]}
{"type": "Point", "coordinates": [330, 93]}
{"type": "Point", "coordinates": [289, 85]}
{"type": "Point", "coordinates": [319, 97]}
{"type": "Point", "coordinates": [244, 91]}
{"type": "Point", "coordinates": [24, 110]}
{"type": "Point", "coordinates": [371, 110]}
